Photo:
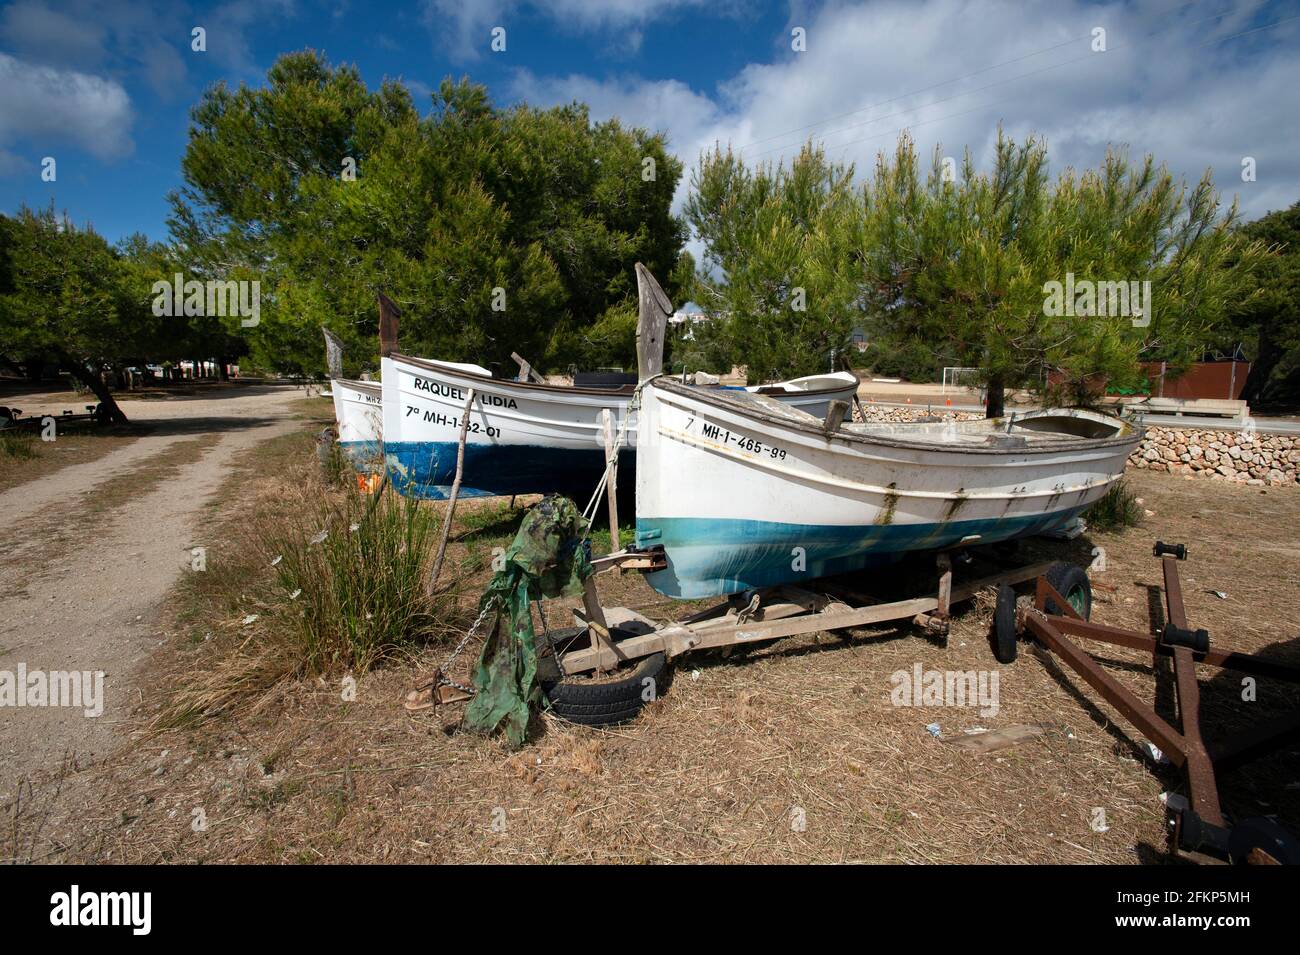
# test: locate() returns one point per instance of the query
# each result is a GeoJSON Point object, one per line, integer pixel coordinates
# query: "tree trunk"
{"type": "Point", "coordinates": [997, 397]}
{"type": "Point", "coordinates": [96, 384]}
{"type": "Point", "coordinates": [1261, 369]}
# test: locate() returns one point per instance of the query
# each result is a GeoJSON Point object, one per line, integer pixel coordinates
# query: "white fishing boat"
{"type": "Point", "coordinates": [358, 413]}
{"type": "Point", "coordinates": [812, 393]}
{"type": "Point", "coordinates": [741, 491]}
{"type": "Point", "coordinates": [522, 437]}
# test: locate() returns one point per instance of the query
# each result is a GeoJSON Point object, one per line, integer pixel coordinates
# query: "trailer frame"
{"type": "Point", "coordinates": [621, 635]}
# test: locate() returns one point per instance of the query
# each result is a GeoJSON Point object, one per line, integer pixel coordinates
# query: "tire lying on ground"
{"type": "Point", "coordinates": [1071, 582]}
{"type": "Point", "coordinates": [599, 701]}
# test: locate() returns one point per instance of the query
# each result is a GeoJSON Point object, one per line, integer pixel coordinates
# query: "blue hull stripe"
{"type": "Point", "coordinates": [427, 469]}
{"type": "Point", "coordinates": [710, 557]}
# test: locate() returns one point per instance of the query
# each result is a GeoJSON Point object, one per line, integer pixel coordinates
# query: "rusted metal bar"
{"type": "Point", "coordinates": [1044, 592]}
{"type": "Point", "coordinates": [1170, 741]}
{"type": "Point", "coordinates": [1200, 769]}
{"type": "Point", "coordinates": [1173, 593]}
{"type": "Point", "coordinates": [1224, 659]}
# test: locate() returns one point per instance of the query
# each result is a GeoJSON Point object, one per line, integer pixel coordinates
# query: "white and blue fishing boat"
{"type": "Point", "coordinates": [741, 491]}
{"type": "Point", "coordinates": [523, 436]}
{"type": "Point", "coordinates": [358, 414]}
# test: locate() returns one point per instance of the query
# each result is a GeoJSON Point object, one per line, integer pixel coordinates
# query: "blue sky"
{"type": "Point", "coordinates": [105, 86]}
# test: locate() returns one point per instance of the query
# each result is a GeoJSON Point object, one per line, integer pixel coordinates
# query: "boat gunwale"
{"type": "Point", "coordinates": [812, 428]}
{"type": "Point", "coordinates": [369, 387]}
{"type": "Point", "coordinates": [623, 391]}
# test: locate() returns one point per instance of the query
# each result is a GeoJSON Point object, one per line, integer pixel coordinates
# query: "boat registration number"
{"type": "Point", "coordinates": [453, 422]}
{"type": "Point", "coordinates": [744, 442]}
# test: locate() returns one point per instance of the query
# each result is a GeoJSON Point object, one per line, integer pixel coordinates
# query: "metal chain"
{"type": "Point", "coordinates": [490, 607]}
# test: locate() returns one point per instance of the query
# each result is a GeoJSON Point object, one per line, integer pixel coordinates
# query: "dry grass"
{"type": "Point", "coordinates": [796, 754]}
{"type": "Point", "coordinates": [26, 458]}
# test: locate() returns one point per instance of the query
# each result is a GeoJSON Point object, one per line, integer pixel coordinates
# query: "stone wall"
{"type": "Point", "coordinates": [1250, 458]}
{"type": "Point", "coordinates": [1271, 460]}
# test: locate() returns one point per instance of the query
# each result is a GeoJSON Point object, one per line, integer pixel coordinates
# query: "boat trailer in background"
{"type": "Point", "coordinates": [1201, 832]}
{"type": "Point", "coordinates": [12, 419]}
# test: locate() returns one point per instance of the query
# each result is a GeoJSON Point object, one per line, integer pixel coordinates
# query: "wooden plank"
{"type": "Point", "coordinates": [978, 744]}
{"type": "Point", "coordinates": [526, 372]}
{"type": "Point", "coordinates": [653, 311]}
{"type": "Point", "coordinates": [781, 619]}
{"type": "Point", "coordinates": [388, 315]}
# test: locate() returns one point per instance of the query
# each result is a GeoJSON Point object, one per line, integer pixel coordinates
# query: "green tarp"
{"type": "Point", "coordinates": [546, 559]}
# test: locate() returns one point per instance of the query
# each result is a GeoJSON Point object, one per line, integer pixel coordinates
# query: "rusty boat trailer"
{"type": "Point", "coordinates": [1201, 832]}
{"type": "Point", "coordinates": [620, 635]}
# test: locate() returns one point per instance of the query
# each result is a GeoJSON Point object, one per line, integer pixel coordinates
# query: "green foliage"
{"type": "Point", "coordinates": [909, 359]}
{"type": "Point", "coordinates": [67, 290]}
{"type": "Point", "coordinates": [951, 267]}
{"type": "Point", "coordinates": [1268, 321]}
{"type": "Point", "coordinates": [445, 208]}
{"type": "Point", "coordinates": [961, 264]}
{"type": "Point", "coordinates": [18, 445]}
{"type": "Point", "coordinates": [69, 298]}
{"type": "Point", "coordinates": [1116, 509]}
{"type": "Point", "coordinates": [781, 240]}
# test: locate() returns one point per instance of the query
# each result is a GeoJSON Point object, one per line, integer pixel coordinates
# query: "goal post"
{"type": "Point", "coordinates": [957, 377]}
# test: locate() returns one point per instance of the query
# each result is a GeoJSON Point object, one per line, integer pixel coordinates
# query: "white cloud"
{"type": "Point", "coordinates": [1163, 86]}
{"type": "Point", "coordinates": [45, 107]}
{"type": "Point", "coordinates": [463, 29]}
{"type": "Point", "coordinates": [34, 29]}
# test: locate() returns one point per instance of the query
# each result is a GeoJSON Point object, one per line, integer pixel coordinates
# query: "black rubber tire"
{"type": "Point", "coordinates": [610, 702]}
{"type": "Point", "coordinates": [1067, 577]}
{"type": "Point", "coordinates": [1005, 637]}
{"type": "Point", "coordinates": [1265, 834]}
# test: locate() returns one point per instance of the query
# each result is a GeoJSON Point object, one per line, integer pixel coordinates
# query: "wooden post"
{"type": "Point", "coordinates": [596, 624]}
{"type": "Point", "coordinates": [611, 477]}
{"type": "Point", "coordinates": [388, 315]}
{"type": "Point", "coordinates": [455, 491]}
{"type": "Point", "coordinates": [835, 413]}
{"type": "Point", "coordinates": [653, 311]}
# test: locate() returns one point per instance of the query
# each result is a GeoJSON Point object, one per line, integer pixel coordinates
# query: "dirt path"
{"type": "Point", "coordinates": [88, 561]}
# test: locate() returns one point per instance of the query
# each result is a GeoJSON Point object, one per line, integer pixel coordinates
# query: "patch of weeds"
{"type": "Point", "coordinates": [1118, 508]}
{"type": "Point", "coordinates": [357, 571]}
{"type": "Point", "coordinates": [18, 445]}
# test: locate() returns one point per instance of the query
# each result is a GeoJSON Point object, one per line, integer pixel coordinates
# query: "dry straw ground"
{"type": "Point", "coordinates": [793, 755]}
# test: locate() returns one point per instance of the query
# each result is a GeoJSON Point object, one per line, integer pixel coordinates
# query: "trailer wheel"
{"type": "Point", "coordinates": [1071, 582]}
{"type": "Point", "coordinates": [1004, 625]}
{"type": "Point", "coordinates": [606, 701]}
{"type": "Point", "coordinates": [1265, 834]}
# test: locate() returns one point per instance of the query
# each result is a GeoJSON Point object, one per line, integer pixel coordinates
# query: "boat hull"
{"type": "Point", "coordinates": [739, 500]}
{"type": "Point", "coordinates": [358, 413]}
{"type": "Point", "coordinates": [521, 438]}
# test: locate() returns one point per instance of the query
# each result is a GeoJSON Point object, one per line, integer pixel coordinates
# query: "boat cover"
{"type": "Point", "coordinates": [546, 559]}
